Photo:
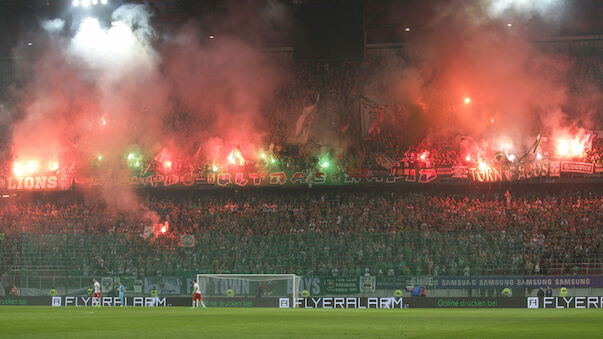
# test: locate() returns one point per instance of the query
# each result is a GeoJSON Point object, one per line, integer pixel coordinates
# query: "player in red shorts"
{"type": "Point", "coordinates": [96, 297]}
{"type": "Point", "coordinates": [197, 295]}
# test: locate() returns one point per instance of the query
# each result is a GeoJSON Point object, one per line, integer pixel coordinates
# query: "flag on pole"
{"type": "Point", "coordinates": [304, 122]}
{"type": "Point", "coordinates": [534, 146]}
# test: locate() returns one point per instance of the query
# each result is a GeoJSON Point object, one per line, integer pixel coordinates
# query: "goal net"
{"type": "Point", "coordinates": [249, 285]}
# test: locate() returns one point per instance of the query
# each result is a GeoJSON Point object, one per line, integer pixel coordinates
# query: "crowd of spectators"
{"type": "Point", "coordinates": [336, 127]}
{"type": "Point", "coordinates": [333, 233]}
{"type": "Point", "coordinates": [320, 233]}
{"type": "Point", "coordinates": [595, 153]}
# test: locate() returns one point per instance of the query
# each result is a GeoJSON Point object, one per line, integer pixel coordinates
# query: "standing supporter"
{"type": "Point", "coordinates": [540, 293]}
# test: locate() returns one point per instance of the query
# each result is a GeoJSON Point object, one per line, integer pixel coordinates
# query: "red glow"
{"type": "Point", "coordinates": [53, 165]}
{"type": "Point", "coordinates": [165, 160]}
{"type": "Point", "coordinates": [164, 228]}
{"type": "Point", "coordinates": [235, 157]}
{"type": "Point", "coordinates": [32, 166]}
{"type": "Point", "coordinates": [563, 147]}
{"type": "Point", "coordinates": [167, 165]}
{"type": "Point", "coordinates": [482, 166]}
{"type": "Point", "coordinates": [570, 147]}
{"type": "Point", "coordinates": [423, 156]}
{"type": "Point", "coordinates": [576, 147]}
{"type": "Point", "coordinates": [18, 169]}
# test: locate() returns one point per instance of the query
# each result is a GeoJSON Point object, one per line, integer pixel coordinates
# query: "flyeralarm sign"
{"type": "Point", "coordinates": [565, 302]}
{"type": "Point", "coordinates": [342, 302]}
{"type": "Point", "coordinates": [109, 301]}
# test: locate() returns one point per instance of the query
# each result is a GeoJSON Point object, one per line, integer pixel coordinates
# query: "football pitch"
{"type": "Point", "coordinates": [179, 322]}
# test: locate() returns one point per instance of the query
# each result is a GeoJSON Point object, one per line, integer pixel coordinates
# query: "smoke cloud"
{"type": "Point", "coordinates": [95, 93]}
{"type": "Point", "coordinates": [524, 9]}
{"type": "Point", "coordinates": [102, 89]}
{"type": "Point", "coordinates": [468, 74]}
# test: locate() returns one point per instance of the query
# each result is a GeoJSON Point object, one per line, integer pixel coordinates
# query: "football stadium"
{"type": "Point", "coordinates": [301, 168]}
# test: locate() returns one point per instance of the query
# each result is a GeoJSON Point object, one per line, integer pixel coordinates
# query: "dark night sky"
{"type": "Point", "coordinates": [385, 20]}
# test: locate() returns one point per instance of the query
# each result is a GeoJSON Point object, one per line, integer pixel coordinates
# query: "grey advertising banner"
{"type": "Point", "coordinates": [466, 302]}
{"type": "Point", "coordinates": [161, 301]}
{"type": "Point", "coordinates": [592, 281]}
{"type": "Point", "coordinates": [165, 285]}
{"type": "Point", "coordinates": [24, 301]}
{"type": "Point", "coordinates": [321, 302]}
{"type": "Point", "coordinates": [341, 285]}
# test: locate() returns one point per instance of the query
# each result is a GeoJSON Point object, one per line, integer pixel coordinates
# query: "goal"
{"type": "Point", "coordinates": [250, 285]}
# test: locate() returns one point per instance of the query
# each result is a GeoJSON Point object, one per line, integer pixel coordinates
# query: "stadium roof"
{"type": "Point", "coordinates": [386, 21]}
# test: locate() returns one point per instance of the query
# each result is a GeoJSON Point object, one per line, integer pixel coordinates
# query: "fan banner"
{"type": "Point", "coordinates": [187, 241]}
{"type": "Point", "coordinates": [401, 173]}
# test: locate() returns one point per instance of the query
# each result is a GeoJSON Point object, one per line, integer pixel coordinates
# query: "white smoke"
{"type": "Point", "coordinates": [122, 47]}
{"type": "Point", "coordinates": [53, 26]}
{"type": "Point", "coordinates": [523, 8]}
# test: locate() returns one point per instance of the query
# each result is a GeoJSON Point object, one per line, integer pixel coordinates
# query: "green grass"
{"type": "Point", "coordinates": [179, 322]}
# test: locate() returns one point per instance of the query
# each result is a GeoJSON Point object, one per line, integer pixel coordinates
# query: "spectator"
{"type": "Point", "coordinates": [540, 293]}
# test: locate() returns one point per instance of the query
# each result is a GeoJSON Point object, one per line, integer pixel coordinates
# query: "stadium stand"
{"type": "Point", "coordinates": [335, 233]}
{"type": "Point", "coordinates": [322, 233]}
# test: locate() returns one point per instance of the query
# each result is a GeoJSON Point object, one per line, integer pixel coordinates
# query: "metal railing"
{"type": "Point", "coordinates": [410, 253]}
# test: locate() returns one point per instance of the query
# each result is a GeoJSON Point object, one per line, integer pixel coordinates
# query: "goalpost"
{"type": "Point", "coordinates": [250, 285]}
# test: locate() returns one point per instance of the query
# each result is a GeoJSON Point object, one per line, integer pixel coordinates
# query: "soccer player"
{"type": "Point", "coordinates": [122, 290]}
{"type": "Point", "coordinates": [197, 295]}
{"type": "Point", "coordinates": [97, 294]}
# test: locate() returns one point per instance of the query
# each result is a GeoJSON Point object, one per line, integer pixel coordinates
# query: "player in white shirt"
{"type": "Point", "coordinates": [197, 295]}
{"type": "Point", "coordinates": [96, 297]}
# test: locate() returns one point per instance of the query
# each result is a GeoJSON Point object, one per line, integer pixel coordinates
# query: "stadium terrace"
{"type": "Point", "coordinates": [293, 168]}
